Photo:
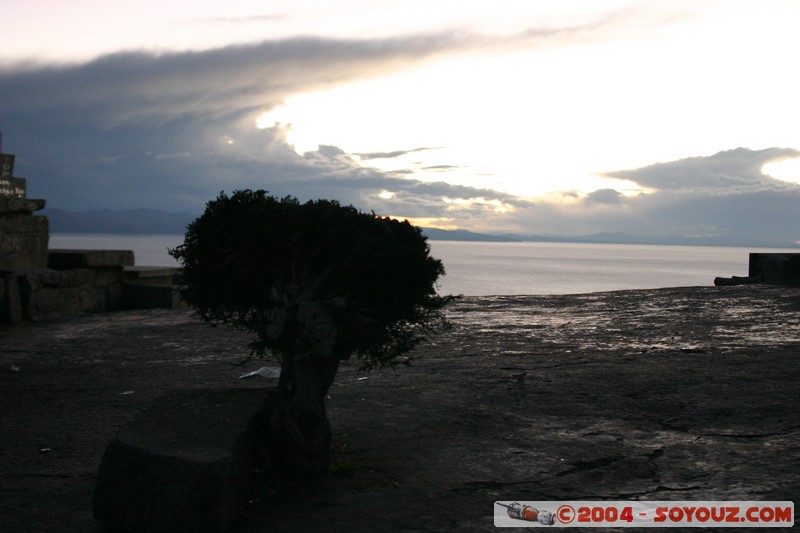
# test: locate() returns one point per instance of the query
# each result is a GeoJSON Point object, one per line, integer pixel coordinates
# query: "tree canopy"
{"type": "Point", "coordinates": [316, 276]}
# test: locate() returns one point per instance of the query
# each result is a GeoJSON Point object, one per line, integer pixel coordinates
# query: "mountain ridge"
{"type": "Point", "coordinates": [156, 222]}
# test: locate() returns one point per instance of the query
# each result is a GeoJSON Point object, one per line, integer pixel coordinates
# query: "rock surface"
{"type": "Point", "coordinates": [685, 393]}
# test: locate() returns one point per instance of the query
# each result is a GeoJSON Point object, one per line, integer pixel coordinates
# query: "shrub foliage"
{"type": "Point", "coordinates": [315, 277]}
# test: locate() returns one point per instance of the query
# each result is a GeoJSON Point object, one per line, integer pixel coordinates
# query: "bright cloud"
{"type": "Point", "coordinates": [784, 169]}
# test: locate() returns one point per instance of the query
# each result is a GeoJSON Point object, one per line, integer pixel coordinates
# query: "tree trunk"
{"type": "Point", "coordinates": [299, 440]}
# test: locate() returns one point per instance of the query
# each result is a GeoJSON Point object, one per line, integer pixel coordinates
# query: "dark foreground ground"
{"type": "Point", "coordinates": [672, 394]}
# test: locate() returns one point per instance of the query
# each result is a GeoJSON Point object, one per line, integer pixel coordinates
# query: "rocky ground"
{"type": "Point", "coordinates": [671, 394]}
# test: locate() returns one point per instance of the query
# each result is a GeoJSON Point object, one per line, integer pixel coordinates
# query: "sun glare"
{"type": "Point", "coordinates": [784, 170]}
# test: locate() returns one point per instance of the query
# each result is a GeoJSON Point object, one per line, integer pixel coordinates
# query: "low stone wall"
{"type": "Point", "coordinates": [769, 268]}
{"type": "Point", "coordinates": [775, 269]}
{"type": "Point", "coordinates": [37, 284]}
{"type": "Point", "coordinates": [85, 281]}
{"type": "Point", "coordinates": [148, 287]}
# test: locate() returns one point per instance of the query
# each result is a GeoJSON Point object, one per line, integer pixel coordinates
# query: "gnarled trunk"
{"type": "Point", "coordinates": [299, 439]}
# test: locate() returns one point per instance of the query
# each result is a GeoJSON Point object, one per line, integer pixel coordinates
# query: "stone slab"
{"type": "Point", "coordinates": [185, 464]}
{"type": "Point", "coordinates": [68, 259]}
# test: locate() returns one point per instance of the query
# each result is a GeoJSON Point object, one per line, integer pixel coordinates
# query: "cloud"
{"type": "Point", "coordinates": [152, 88]}
{"type": "Point", "coordinates": [441, 168]}
{"type": "Point", "coordinates": [728, 171]}
{"type": "Point", "coordinates": [724, 194]}
{"type": "Point", "coordinates": [247, 19]}
{"type": "Point", "coordinates": [170, 131]}
{"type": "Point", "coordinates": [391, 155]}
{"type": "Point", "coordinates": [605, 196]}
{"type": "Point", "coordinates": [145, 89]}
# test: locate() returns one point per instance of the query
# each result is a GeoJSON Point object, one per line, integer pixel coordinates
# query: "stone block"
{"type": "Point", "coordinates": [33, 279]}
{"type": "Point", "coordinates": [30, 280]}
{"type": "Point", "coordinates": [52, 278]}
{"type": "Point", "coordinates": [149, 296]}
{"type": "Point", "coordinates": [23, 242]}
{"type": "Point", "coordinates": [100, 300]}
{"type": "Point", "coordinates": [185, 464]}
{"type": "Point", "coordinates": [109, 298]}
{"type": "Point", "coordinates": [106, 276]}
{"type": "Point", "coordinates": [69, 259]}
{"type": "Point", "coordinates": [79, 277]}
{"type": "Point", "coordinates": [149, 275]}
{"type": "Point", "coordinates": [48, 303]}
{"type": "Point", "coordinates": [11, 306]}
{"type": "Point", "coordinates": [46, 277]}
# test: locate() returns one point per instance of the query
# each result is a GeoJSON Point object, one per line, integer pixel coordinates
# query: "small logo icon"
{"type": "Point", "coordinates": [529, 514]}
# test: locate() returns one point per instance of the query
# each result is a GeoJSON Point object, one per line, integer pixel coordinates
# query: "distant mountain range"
{"type": "Point", "coordinates": [132, 221]}
{"type": "Point", "coordinates": [155, 222]}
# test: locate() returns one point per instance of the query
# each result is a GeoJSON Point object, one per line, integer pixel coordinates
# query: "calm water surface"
{"type": "Point", "coordinates": [483, 269]}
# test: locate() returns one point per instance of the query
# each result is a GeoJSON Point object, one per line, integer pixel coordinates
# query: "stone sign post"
{"type": "Point", "coordinates": [23, 236]}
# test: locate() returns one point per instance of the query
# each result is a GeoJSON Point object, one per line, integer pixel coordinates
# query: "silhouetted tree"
{"type": "Point", "coordinates": [316, 282]}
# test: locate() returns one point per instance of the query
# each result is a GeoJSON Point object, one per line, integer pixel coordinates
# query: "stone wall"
{"type": "Point", "coordinates": [85, 281]}
{"type": "Point", "coordinates": [37, 283]}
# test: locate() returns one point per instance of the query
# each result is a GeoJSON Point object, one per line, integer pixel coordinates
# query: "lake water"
{"type": "Point", "coordinates": [483, 269]}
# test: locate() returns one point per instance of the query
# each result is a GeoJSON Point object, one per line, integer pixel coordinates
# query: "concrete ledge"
{"type": "Point", "coordinates": [185, 464]}
{"type": "Point", "coordinates": [69, 259]}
